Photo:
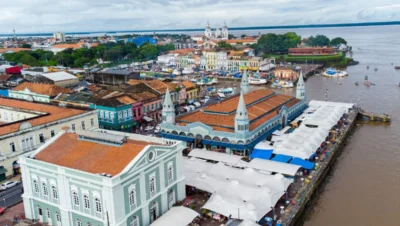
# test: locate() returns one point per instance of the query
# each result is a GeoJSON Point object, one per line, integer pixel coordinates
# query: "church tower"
{"type": "Point", "coordinates": [301, 88]}
{"type": "Point", "coordinates": [242, 122]}
{"type": "Point", "coordinates": [208, 32]}
{"type": "Point", "coordinates": [244, 84]}
{"type": "Point", "coordinates": [168, 111]}
{"type": "Point", "coordinates": [225, 34]}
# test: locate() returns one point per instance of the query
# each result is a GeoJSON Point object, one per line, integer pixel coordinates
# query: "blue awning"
{"type": "Point", "coordinates": [206, 142]}
{"type": "Point", "coordinates": [303, 163]}
{"type": "Point", "coordinates": [312, 156]}
{"type": "Point", "coordinates": [282, 158]}
{"type": "Point", "coordinates": [261, 154]}
{"type": "Point", "coordinates": [176, 137]}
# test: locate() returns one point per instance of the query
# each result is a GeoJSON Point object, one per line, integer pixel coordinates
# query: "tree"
{"type": "Point", "coordinates": [268, 43]}
{"type": "Point", "coordinates": [148, 51]}
{"type": "Point", "coordinates": [243, 35]}
{"type": "Point", "coordinates": [26, 45]}
{"type": "Point", "coordinates": [319, 40]}
{"type": "Point", "coordinates": [231, 36]}
{"type": "Point", "coordinates": [224, 45]}
{"type": "Point", "coordinates": [337, 41]}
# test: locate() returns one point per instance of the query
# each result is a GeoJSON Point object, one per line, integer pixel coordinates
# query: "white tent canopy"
{"type": "Point", "coordinates": [177, 216]}
{"type": "Point", "coordinates": [233, 160]}
{"type": "Point", "coordinates": [273, 166]}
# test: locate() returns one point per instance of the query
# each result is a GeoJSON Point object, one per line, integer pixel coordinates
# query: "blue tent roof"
{"type": "Point", "coordinates": [303, 163]}
{"type": "Point", "coordinates": [261, 154]}
{"type": "Point", "coordinates": [282, 158]}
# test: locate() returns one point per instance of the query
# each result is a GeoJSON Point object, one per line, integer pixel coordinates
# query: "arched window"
{"type": "Point", "coordinates": [45, 191]}
{"type": "Point", "coordinates": [86, 201]}
{"type": "Point", "coordinates": [152, 186]}
{"type": "Point", "coordinates": [79, 223]}
{"type": "Point", "coordinates": [75, 198]}
{"type": "Point", "coordinates": [98, 205]}
{"type": "Point", "coordinates": [54, 191]}
{"type": "Point", "coordinates": [134, 221]}
{"type": "Point", "coordinates": [48, 214]}
{"type": "Point", "coordinates": [170, 173]}
{"type": "Point", "coordinates": [132, 199]}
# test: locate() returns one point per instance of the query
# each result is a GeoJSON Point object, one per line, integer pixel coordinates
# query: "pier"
{"type": "Point", "coordinates": [369, 116]}
{"type": "Point", "coordinates": [294, 212]}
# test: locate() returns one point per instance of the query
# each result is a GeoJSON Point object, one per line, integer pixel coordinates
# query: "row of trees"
{"type": "Point", "coordinates": [88, 56]}
{"type": "Point", "coordinates": [322, 40]}
{"type": "Point", "coordinates": [277, 43]}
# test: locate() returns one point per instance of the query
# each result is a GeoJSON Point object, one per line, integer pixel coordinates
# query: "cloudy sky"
{"type": "Point", "coordinates": [34, 16]}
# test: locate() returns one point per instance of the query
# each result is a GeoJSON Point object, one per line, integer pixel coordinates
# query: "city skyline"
{"type": "Point", "coordinates": [78, 16]}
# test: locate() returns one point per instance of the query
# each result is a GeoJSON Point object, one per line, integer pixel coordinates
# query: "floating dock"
{"type": "Point", "coordinates": [369, 116]}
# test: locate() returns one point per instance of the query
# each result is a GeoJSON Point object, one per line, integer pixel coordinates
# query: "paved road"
{"type": "Point", "coordinates": [11, 195]}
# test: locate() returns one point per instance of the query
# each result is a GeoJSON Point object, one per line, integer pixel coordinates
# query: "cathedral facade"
{"type": "Point", "coordinates": [218, 33]}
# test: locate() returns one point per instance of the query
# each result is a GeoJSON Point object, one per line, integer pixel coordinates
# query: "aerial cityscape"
{"type": "Point", "coordinates": [211, 121]}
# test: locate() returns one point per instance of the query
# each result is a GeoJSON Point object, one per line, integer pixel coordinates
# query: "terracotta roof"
{"type": "Point", "coordinates": [182, 51]}
{"type": "Point", "coordinates": [44, 89]}
{"type": "Point", "coordinates": [67, 46]}
{"type": "Point", "coordinates": [230, 104]}
{"type": "Point", "coordinates": [146, 95]}
{"type": "Point", "coordinates": [54, 113]}
{"type": "Point", "coordinates": [125, 99]}
{"type": "Point", "coordinates": [209, 119]}
{"type": "Point", "coordinates": [134, 81]}
{"type": "Point", "coordinates": [15, 50]}
{"type": "Point", "coordinates": [188, 84]}
{"type": "Point", "coordinates": [94, 44]}
{"type": "Point", "coordinates": [247, 40]}
{"type": "Point", "coordinates": [4, 77]}
{"type": "Point", "coordinates": [69, 151]}
{"type": "Point", "coordinates": [160, 86]}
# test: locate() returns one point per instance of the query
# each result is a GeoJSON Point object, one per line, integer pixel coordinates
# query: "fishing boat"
{"type": "Point", "coordinates": [227, 91]}
{"type": "Point", "coordinates": [276, 84]}
{"type": "Point", "coordinates": [376, 69]}
{"type": "Point", "coordinates": [332, 72]}
{"type": "Point", "coordinates": [397, 67]}
{"type": "Point", "coordinates": [367, 66]}
{"type": "Point", "coordinates": [256, 79]}
{"type": "Point", "coordinates": [356, 84]}
{"type": "Point", "coordinates": [206, 81]}
{"type": "Point", "coordinates": [287, 84]}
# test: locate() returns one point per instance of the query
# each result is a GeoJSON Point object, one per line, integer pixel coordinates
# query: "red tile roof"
{"type": "Point", "coordinates": [44, 89]}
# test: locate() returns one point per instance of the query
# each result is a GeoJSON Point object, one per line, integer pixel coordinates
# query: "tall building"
{"type": "Point", "coordinates": [102, 178]}
{"type": "Point", "coordinates": [59, 37]}
{"type": "Point", "coordinates": [218, 33]}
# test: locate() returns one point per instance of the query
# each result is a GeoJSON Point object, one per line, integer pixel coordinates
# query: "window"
{"type": "Point", "coordinates": [112, 116]}
{"type": "Point", "coordinates": [35, 186]}
{"type": "Point", "coordinates": [41, 138]}
{"type": "Point", "coordinates": [58, 217]}
{"type": "Point", "coordinates": [86, 201]}
{"type": "Point", "coordinates": [144, 109]}
{"type": "Point", "coordinates": [152, 106]}
{"type": "Point", "coordinates": [79, 223]}
{"type": "Point", "coordinates": [139, 111]}
{"type": "Point", "coordinates": [91, 122]}
{"type": "Point", "coordinates": [170, 173]}
{"type": "Point", "coordinates": [106, 115]}
{"type": "Point", "coordinates": [45, 191]}
{"type": "Point", "coordinates": [48, 214]}
{"type": "Point", "coordinates": [75, 198]}
{"type": "Point", "coordinates": [83, 124]}
{"type": "Point", "coordinates": [156, 105]}
{"type": "Point", "coordinates": [12, 147]}
{"type": "Point", "coordinates": [52, 133]}
{"type": "Point", "coordinates": [23, 144]}
{"type": "Point", "coordinates": [98, 205]}
{"type": "Point", "coordinates": [73, 127]}
{"type": "Point", "coordinates": [88, 224]}
{"type": "Point", "coordinates": [148, 108]}
{"type": "Point", "coordinates": [119, 115]}
{"type": "Point", "coordinates": [132, 199]}
{"type": "Point", "coordinates": [152, 186]}
{"type": "Point", "coordinates": [40, 211]}
{"type": "Point", "coordinates": [125, 114]}
{"type": "Point", "coordinates": [134, 221]}
{"type": "Point", "coordinates": [130, 112]}
{"type": "Point", "coordinates": [54, 191]}
{"type": "Point", "coordinates": [31, 141]}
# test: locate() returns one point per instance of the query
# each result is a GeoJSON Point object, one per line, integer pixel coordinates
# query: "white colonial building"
{"type": "Point", "coordinates": [25, 126]}
{"type": "Point", "coordinates": [217, 33]}
{"type": "Point", "coordinates": [102, 178]}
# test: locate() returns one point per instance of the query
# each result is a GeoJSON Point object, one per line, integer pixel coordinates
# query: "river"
{"type": "Point", "coordinates": [364, 186]}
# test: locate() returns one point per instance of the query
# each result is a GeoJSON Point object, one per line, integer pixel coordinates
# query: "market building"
{"type": "Point", "coordinates": [102, 178]}
{"type": "Point", "coordinates": [25, 126]}
{"type": "Point", "coordinates": [37, 92]}
{"type": "Point", "coordinates": [234, 125]}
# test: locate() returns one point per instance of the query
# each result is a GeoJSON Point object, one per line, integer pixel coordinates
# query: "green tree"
{"type": "Point", "coordinates": [26, 45]}
{"type": "Point", "coordinates": [231, 36]}
{"type": "Point", "coordinates": [243, 35]}
{"type": "Point", "coordinates": [337, 41]}
{"type": "Point", "coordinates": [224, 45]}
{"type": "Point", "coordinates": [268, 43]}
{"type": "Point", "coordinates": [318, 40]}
{"type": "Point", "coordinates": [148, 51]}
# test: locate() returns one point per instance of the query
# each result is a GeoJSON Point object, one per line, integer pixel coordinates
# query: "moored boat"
{"type": "Point", "coordinates": [287, 84]}
{"type": "Point", "coordinates": [227, 91]}
{"type": "Point", "coordinates": [257, 81]}
{"type": "Point", "coordinates": [397, 67]}
{"type": "Point", "coordinates": [332, 72]}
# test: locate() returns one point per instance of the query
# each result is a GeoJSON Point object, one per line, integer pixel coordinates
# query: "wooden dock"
{"type": "Point", "coordinates": [370, 116]}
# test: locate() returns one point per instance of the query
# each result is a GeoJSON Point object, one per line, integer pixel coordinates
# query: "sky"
{"type": "Point", "coordinates": [34, 16]}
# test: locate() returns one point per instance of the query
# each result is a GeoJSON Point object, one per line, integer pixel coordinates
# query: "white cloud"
{"type": "Point", "coordinates": [34, 16]}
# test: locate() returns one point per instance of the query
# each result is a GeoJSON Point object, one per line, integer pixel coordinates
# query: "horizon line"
{"type": "Point", "coordinates": [360, 24]}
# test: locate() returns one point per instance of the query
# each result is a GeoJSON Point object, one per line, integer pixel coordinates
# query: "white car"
{"type": "Point", "coordinates": [9, 184]}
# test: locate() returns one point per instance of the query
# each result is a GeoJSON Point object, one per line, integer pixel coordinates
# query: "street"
{"type": "Point", "coordinates": [11, 195]}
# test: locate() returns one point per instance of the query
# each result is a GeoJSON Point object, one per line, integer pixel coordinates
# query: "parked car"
{"type": "Point", "coordinates": [9, 184]}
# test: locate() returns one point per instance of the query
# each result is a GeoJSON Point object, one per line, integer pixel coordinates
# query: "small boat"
{"type": "Point", "coordinates": [367, 83]}
{"type": "Point", "coordinates": [227, 91]}
{"type": "Point", "coordinates": [332, 72]}
{"type": "Point", "coordinates": [287, 84]}
{"type": "Point", "coordinates": [368, 67]}
{"type": "Point", "coordinates": [397, 67]}
{"type": "Point", "coordinates": [206, 81]}
{"type": "Point", "coordinates": [257, 81]}
{"type": "Point", "coordinates": [399, 84]}
{"type": "Point", "coordinates": [376, 69]}
{"type": "Point", "coordinates": [356, 84]}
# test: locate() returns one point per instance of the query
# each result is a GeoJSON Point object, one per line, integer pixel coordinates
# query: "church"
{"type": "Point", "coordinates": [236, 124]}
{"type": "Point", "coordinates": [218, 33]}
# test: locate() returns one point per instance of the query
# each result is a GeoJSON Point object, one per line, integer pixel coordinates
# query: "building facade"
{"type": "Point", "coordinates": [59, 37]}
{"type": "Point", "coordinates": [218, 33]}
{"type": "Point", "coordinates": [222, 60]}
{"type": "Point", "coordinates": [37, 92]}
{"type": "Point", "coordinates": [211, 59]}
{"type": "Point", "coordinates": [26, 126]}
{"type": "Point", "coordinates": [113, 114]}
{"type": "Point", "coordinates": [132, 191]}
